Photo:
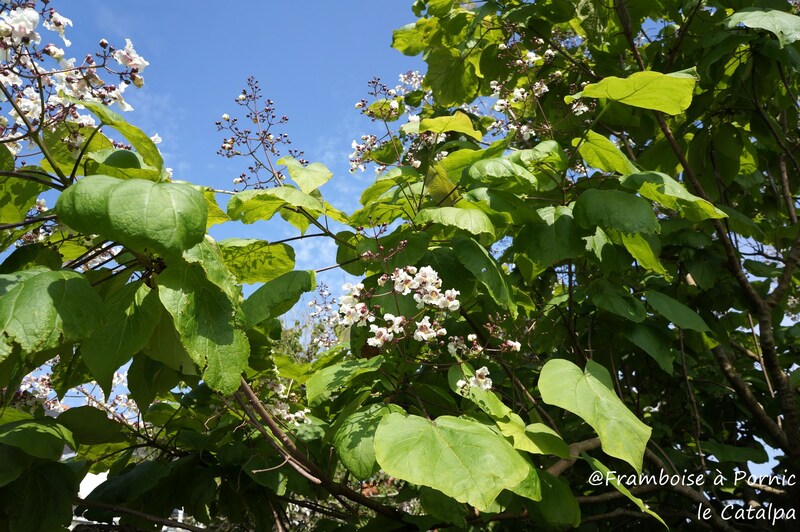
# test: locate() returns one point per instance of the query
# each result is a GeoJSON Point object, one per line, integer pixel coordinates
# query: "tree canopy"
{"type": "Point", "coordinates": [573, 300]}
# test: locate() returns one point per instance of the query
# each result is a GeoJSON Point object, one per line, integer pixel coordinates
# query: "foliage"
{"type": "Point", "coordinates": [592, 203]}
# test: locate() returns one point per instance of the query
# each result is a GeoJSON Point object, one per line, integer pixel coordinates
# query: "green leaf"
{"type": "Point", "coordinates": [663, 189]}
{"type": "Point", "coordinates": [131, 314]}
{"type": "Point", "coordinates": [548, 243]}
{"type": "Point", "coordinates": [209, 256]}
{"type": "Point", "coordinates": [641, 250]}
{"type": "Point", "coordinates": [148, 379]}
{"type": "Point", "coordinates": [326, 380]}
{"type": "Point", "coordinates": [215, 214]}
{"type": "Point", "coordinates": [254, 205]}
{"type": "Point", "coordinates": [443, 507]}
{"type": "Point", "coordinates": [120, 163]}
{"type": "Point", "coordinates": [277, 296]}
{"type": "Point", "coordinates": [546, 161]}
{"type": "Point", "coordinates": [785, 26]}
{"type": "Point", "coordinates": [90, 426]}
{"type": "Point", "coordinates": [615, 209]}
{"type": "Point", "coordinates": [308, 178]}
{"type": "Point", "coordinates": [41, 437]}
{"type": "Point", "coordinates": [669, 93]}
{"type": "Point", "coordinates": [459, 457]}
{"type": "Point", "coordinates": [618, 300]}
{"type": "Point", "coordinates": [354, 439]}
{"type": "Point", "coordinates": [47, 309]}
{"type": "Point", "coordinates": [599, 152]}
{"type": "Point", "coordinates": [12, 463]}
{"type": "Point", "coordinates": [652, 342]}
{"type": "Point", "coordinates": [128, 486]}
{"type": "Point", "coordinates": [19, 196]}
{"type": "Point", "coordinates": [470, 220]}
{"type": "Point", "coordinates": [165, 218]}
{"type": "Point", "coordinates": [256, 261]}
{"type": "Point", "coordinates": [208, 324]}
{"type": "Point", "coordinates": [452, 78]}
{"type": "Point", "coordinates": [6, 159]}
{"type": "Point", "coordinates": [49, 494]}
{"type": "Point", "coordinates": [138, 139]}
{"type": "Point", "coordinates": [614, 481]}
{"type": "Point", "coordinates": [590, 395]}
{"type": "Point", "coordinates": [503, 175]}
{"type": "Point", "coordinates": [676, 312]}
{"type": "Point", "coordinates": [733, 453]}
{"type": "Point", "coordinates": [412, 39]}
{"type": "Point", "coordinates": [267, 472]}
{"type": "Point", "coordinates": [459, 122]}
{"type": "Point", "coordinates": [484, 267]}
{"type": "Point", "coordinates": [558, 509]}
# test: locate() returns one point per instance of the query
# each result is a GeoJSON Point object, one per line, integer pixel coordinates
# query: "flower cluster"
{"type": "Point", "coordinates": [423, 284]}
{"type": "Point", "coordinates": [260, 141]}
{"type": "Point", "coordinates": [426, 286]}
{"type": "Point", "coordinates": [457, 347]}
{"type": "Point", "coordinates": [38, 82]}
{"type": "Point", "coordinates": [360, 150]}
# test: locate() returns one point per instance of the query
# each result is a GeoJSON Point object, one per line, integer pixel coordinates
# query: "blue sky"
{"type": "Point", "coordinates": [312, 57]}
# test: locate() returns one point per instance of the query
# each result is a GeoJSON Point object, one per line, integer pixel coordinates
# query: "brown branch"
{"type": "Point", "coordinates": [787, 192]}
{"type": "Point", "coordinates": [730, 251]}
{"type": "Point", "coordinates": [750, 401]}
{"type": "Point", "coordinates": [611, 495]}
{"type": "Point", "coordinates": [115, 508]}
{"type": "Point", "coordinates": [333, 488]}
{"type": "Point", "coordinates": [619, 512]}
{"type": "Point", "coordinates": [575, 450]}
{"type": "Point", "coordinates": [27, 222]}
{"type": "Point", "coordinates": [780, 380]}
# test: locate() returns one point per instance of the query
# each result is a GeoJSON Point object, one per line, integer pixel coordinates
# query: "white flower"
{"type": "Point", "coordinates": [451, 302]}
{"type": "Point", "coordinates": [481, 379]}
{"type": "Point", "coordinates": [395, 323]}
{"type": "Point", "coordinates": [578, 107]}
{"type": "Point", "coordinates": [156, 139]}
{"type": "Point", "coordinates": [382, 335]}
{"type": "Point", "coordinates": [510, 345]}
{"type": "Point", "coordinates": [424, 332]}
{"type": "Point", "coordinates": [226, 117]}
{"type": "Point", "coordinates": [539, 88]}
{"type": "Point", "coordinates": [500, 105]}
{"type": "Point", "coordinates": [461, 384]}
{"type": "Point", "coordinates": [129, 58]}
{"type": "Point", "coordinates": [20, 25]}
{"type": "Point", "coordinates": [58, 23]}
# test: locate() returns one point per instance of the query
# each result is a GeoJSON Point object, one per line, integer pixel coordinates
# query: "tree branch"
{"type": "Point", "coordinates": [117, 509]}
{"type": "Point", "coordinates": [749, 399]}
{"type": "Point", "coordinates": [575, 450]}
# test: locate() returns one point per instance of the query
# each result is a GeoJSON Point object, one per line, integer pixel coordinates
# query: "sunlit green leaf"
{"type": "Point", "coordinates": [669, 93]}
{"type": "Point", "coordinates": [308, 178]}
{"type": "Point", "coordinates": [256, 261]}
{"type": "Point", "coordinates": [600, 152]}
{"type": "Point", "coordinates": [590, 395]}
{"type": "Point", "coordinates": [461, 458]}
{"type": "Point", "coordinates": [208, 325]}
{"type": "Point", "coordinates": [165, 218]}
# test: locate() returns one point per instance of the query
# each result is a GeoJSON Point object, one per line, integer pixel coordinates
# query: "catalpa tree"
{"type": "Point", "coordinates": [573, 299]}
